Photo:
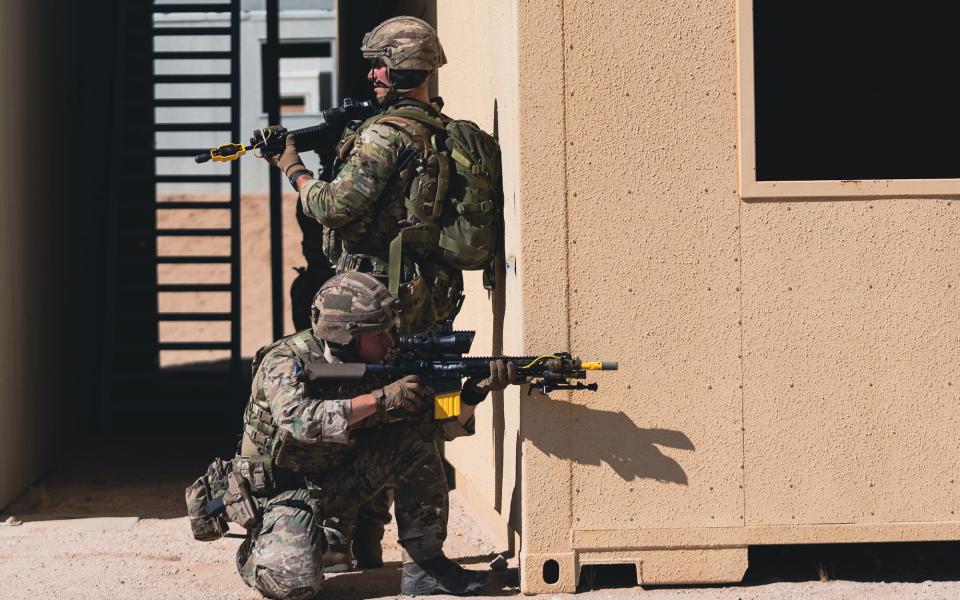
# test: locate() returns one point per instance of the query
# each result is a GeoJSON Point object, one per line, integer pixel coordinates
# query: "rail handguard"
{"type": "Point", "coordinates": [438, 359]}
{"type": "Point", "coordinates": [265, 142]}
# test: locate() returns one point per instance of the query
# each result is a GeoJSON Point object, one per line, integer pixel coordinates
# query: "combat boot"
{"type": "Point", "coordinates": [338, 558]}
{"type": "Point", "coordinates": [440, 576]}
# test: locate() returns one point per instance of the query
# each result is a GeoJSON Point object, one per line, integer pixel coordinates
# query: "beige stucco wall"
{"type": "Point", "coordinates": [789, 371]}
{"type": "Point", "coordinates": [23, 450]}
{"type": "Point", "coordinates": [851, 340]}
{"type": "Point", "coordinates": [479, 84]}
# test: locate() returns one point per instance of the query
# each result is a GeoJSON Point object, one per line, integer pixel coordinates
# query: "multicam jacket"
{"type": "Point", "coordinates": [281, 411]}
{"type": "Point", "coordinates": [363, 210]}
{"type": "Point", "coordinates": [365, 201]}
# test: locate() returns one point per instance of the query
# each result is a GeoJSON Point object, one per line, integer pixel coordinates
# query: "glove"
{"type": "Point", "coordinates": [407, 393]}
{"type": "Point", "coordinates": [502, 374]}
{"type": "Point", "coordinates": [272, 131]}
{"type": "Point", "coordinates": [289, 157]}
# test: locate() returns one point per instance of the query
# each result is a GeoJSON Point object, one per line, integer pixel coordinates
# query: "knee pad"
{"type": "Point", "coordinates": [286, 558]}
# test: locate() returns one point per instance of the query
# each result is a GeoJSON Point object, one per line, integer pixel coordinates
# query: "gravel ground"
{"type": "Point", "coordinates": [108, 525]}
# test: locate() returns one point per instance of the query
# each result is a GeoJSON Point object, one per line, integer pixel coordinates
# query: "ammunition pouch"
{"type": "Point", "coordinates": [416, 307]}
{"type": "Point", "coordinates": [259, 473]}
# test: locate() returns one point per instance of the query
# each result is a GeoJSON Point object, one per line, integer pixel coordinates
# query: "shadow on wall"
{"type": "Point", "coordinates": [631, 451]}
{"type": "Point", "coordinates": [498, 306]}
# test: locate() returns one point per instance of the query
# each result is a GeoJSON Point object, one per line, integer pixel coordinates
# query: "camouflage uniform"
{"type": "Point", "coordinates": [363, 209]}
{"type": "Point", "coordinates": [319, 466]}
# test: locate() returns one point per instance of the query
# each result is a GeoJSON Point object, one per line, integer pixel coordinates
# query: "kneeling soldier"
{"type": "Point", "coordinates": [307, 456]}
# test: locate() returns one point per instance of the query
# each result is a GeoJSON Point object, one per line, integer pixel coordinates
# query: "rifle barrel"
{"type": "Point", "coordinates": [479, 366]}
{"type": "Point", "coordinates": [599, 366]}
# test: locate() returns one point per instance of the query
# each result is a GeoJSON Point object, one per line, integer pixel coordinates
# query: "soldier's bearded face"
{"type": "Point", "coordinates": [373, 347]}
{"type": "Point", "coordinates": [378, 77]}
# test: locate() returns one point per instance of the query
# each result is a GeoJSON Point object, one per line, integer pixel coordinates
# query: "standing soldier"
{"type": "Point", "coordinates": [417, 198]}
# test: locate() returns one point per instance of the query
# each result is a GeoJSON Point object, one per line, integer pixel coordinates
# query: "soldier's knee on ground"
{"type": "Point", "coordinates": [285, 558]}
{"type": "Point", "coordinates": [283, 587]}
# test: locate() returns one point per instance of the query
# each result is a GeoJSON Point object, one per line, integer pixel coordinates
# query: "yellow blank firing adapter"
{"type": "Point", "coordinates": [222, 153]}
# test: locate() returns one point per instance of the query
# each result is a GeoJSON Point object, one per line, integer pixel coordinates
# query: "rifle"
{"type": "Point", "coordinates": [438, 359]}
{"type": "Point", "coordinates": [269, 142]}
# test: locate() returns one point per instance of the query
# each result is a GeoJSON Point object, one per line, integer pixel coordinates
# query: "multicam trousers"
{"type": "Point", "coordinates": [284, 557]}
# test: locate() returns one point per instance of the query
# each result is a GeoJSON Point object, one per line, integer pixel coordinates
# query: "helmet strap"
{"type": "Point", "coordinates": [344, 352]}
{"type": "Point", "coordinates": [392, 93]}
{"type": "Point", "coordinates": [405, 80]}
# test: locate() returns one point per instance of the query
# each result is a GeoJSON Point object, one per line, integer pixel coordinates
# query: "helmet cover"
{"type": "Point", "coordinates": [350, 303]}
{"type": "Point", "coordinates": [405, 43]}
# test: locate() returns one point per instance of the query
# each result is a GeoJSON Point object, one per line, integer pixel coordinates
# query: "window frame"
{"type": "Point", "coordinates": [752, 189]}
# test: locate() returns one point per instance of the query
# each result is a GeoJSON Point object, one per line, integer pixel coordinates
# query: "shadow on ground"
{"type": "Point", "coordinates": [386, 582]}
{"type": "Point", "coordinates": [898, 562]}
{"type": "Point", "coordinates": [144, 476]}
{"type": "Point", "coordinates": [892, 562]}
{"type": "Point", "coordinates": [122, 476]}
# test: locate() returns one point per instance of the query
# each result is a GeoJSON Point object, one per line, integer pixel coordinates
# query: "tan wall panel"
{"type": "Point", "coordinates": [852, 376]}
{"type": "Point", "coordinates": [652, 209]}
{"type": "Point", "coordinates": [542, 265]}
{"type": "Point", "coordinates": [479, 84]}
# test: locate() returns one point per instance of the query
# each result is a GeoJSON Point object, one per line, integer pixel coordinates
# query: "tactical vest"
{"type": "Point", "coordinates": [259, 429]}
{"type": "Point", "coordinates": [429, 291]}
{"type": "Point", "coordinates": [262, 437]}
{"type": "Point", "coordinates": [372, 232]}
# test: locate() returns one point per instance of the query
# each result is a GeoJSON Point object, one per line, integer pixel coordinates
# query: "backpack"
{"type": "Point", "coordinates": [455, 197]}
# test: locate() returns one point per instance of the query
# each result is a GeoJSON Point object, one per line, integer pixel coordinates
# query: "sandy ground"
{"type": "Point", "coordinates": [108, 524]}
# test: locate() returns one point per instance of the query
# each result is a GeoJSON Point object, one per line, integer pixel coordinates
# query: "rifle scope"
{"type": "Point", "coordinates": [451, 342]}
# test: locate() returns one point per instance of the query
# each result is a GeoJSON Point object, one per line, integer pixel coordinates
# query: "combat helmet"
{"type": "Point", "coordinates": [405, 44]}
{"type": "Point", "coordinates": [350, 303]}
